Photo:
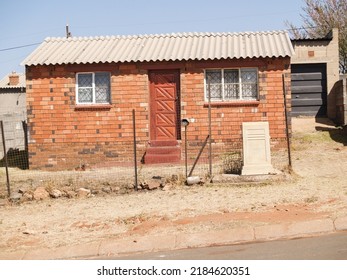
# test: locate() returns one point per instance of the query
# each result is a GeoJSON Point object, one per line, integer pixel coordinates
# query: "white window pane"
{"type": "Point", "coordinates": [231, 84]}
{"type": "Point", "coordinates": [231, 91]}
{"type": "Point", "coordinates": [214, 84]}
{"type": "Point", "coordinates": [231, 76]}
{"type": "Point", "coordinates": [249, 91]}
{"type": "Point", "coordinates": [85, 80]}
{"type": "Point", "coordinates": [102, 88]}
{"type": "Point", "coordinates": [85, 95]}
{"type": "Point", "coordinates": [249, 82]}
{"type": "Point", "coordinates": [215, 91]}
{"type": "Point", "coordinates": [213, 76]}
{"type": "Point", "coordinates": [85, 88]}
{"type": "Point", "coordinates": [248, 76]}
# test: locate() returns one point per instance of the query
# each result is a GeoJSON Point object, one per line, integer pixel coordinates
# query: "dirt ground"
{"type": "Point", "coordinates": [317, 188]}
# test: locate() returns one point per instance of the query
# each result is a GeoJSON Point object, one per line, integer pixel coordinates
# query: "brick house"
{"type": "Point", "coordinates": [81, 92]}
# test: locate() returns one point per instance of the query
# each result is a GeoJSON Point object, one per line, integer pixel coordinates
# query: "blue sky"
{"type": "Point", "coordinates": [24, 22]}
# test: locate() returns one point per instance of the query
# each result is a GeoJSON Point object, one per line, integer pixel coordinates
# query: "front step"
{"type": "Point", "coordinates": [163, 143]}
{"type": "Point", "coordinates": [163, 150]}
{"type": "Point", "coordinates": [162, 154]}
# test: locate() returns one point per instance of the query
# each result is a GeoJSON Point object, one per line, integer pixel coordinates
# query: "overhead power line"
{"type": "Point", "coordinates": [19, 47]}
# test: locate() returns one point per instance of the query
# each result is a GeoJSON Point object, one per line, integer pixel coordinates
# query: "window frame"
{"type": "Point", "coordinates": [93, 89]}
{"type": "Point", "coordinates": [223, 99]}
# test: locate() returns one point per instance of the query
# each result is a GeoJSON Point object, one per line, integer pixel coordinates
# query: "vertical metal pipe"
{"type": "Point", "coordinates": [135, 158]}
{"type": "Point", "coordinates": [5, 157]}
{"type": "Point", "coordinates": [209, 130]}
{"type": "Point", "coordinates": [26, 144]}
{"type": "Point", "coordinates": [185, 150]}
{"type": "Point", "coordinates": [287, 124]}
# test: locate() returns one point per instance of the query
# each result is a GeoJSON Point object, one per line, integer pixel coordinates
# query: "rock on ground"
{"type": "Point", "coordinates": [82, 192]}
{"type": "Point", "coordinates": [40, 193]}
{"type": "Point", "coordinates": [55, 193]}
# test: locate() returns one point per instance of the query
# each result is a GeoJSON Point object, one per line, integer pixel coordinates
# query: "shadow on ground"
{"type": "Point", "coordinates": [336, 133]}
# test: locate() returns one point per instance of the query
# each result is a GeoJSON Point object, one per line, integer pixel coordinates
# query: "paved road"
{"type": "Point", "coordinates": [328, 247]}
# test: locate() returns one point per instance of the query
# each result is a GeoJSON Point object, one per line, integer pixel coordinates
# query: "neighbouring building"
{"type": "Point", "coordinates": [13, 110]}
{"type": "Point", "coordinates": [315, 70]}
{"type": "Point", "coordinates": [12, 94]}
{"type": "Point", "coordinates": [81, 93]}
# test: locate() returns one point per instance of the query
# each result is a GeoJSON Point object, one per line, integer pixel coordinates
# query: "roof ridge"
{"type": "Point", "coordinates": [163, 35]}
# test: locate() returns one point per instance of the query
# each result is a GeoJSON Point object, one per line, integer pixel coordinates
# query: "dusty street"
{"type": "Point", "coordinates": [317, 188]}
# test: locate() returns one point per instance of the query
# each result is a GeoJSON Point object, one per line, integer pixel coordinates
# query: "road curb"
{"type": "Point", "coordinates": [222, 237]}
{"type": "Point", "coordinates": [65, 252]}
{"type": "Point", "coordinates": [137, 244]}
{"type": "Point", "coordinates": [12, 255]}
{"type": "Point", "coordinates": [276, 231]}
{"type": "Point", "coordinates": [341, 223]}
{"type": "Point", "coordinates": [149, 243]}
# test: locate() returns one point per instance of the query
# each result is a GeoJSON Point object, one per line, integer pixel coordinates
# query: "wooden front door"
{"type": "Point", "coordinates": [164, 106]}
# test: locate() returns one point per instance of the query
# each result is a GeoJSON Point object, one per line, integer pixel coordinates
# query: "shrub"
{"type": "Point", "coordinates": [232, 163]}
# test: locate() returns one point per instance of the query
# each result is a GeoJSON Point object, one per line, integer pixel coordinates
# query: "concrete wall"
{"type": "Point", "coordinates": [12, 113]}
{"type": "Point", "coordinates": [340, 93]}
{"type": "Point", "coordinates": [321, 51]}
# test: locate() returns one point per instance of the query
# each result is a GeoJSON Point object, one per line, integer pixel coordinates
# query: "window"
{"type": "Point", "coordinates": [231, 84]}
{"type": "Point", "coordinates": [93, 88]}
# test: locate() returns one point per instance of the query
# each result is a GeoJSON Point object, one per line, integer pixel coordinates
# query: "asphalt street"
{"type": "Point", "coordinates": [326, 247]}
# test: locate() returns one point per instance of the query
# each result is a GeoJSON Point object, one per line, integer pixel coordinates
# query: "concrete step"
{"type": "Point", "coordinates": [162, 154]}
{"type": "Point", "coordinates": [163, 150]}
{"type": "Point", "coordinates": [162, 158]}
{"type": "Point", "coordinates": [161, 143]}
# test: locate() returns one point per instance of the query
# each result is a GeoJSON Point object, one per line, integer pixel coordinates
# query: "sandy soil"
{"type": "Point", "coordinates": [317, 188]}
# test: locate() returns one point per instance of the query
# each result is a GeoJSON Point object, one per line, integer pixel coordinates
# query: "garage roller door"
{"type": "Point", "coordinates": [309, 89]}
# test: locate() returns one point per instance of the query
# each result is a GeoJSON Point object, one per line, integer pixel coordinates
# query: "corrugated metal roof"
{"type": "Point", "coordinates": [5, 81]}
{"type": "Point", "coordinates": [161, 47]}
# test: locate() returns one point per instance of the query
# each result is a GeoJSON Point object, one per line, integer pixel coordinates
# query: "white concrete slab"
{"type": "Point", "coordinates": [256, 149]}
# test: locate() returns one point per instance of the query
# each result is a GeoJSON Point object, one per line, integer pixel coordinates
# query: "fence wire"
{"type": "Point", "coordinates": [118, 179]}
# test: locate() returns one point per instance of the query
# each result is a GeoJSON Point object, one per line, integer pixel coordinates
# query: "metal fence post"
{"type": "Point", "coordinates": [26, 144]}
{"type": "Point", "coordinates": [287, 123]}
{"type": "Point", "coordinates": [185, 124]}
{"type": "Point", "coordinates": [5, 158]}
{"type": "Point", "coordinates": [210, 130]}
{"type": "Point", "coordinates": [135, 158]}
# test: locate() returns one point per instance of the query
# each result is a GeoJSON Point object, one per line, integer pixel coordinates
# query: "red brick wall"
{"type": "Point", "coordinates": [227, 118]}
{"type": "Point", "coordinates": [65, 136]}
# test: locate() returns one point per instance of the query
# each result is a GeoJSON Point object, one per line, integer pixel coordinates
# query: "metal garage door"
{"type": "Point", "coordinates": [309, 89]}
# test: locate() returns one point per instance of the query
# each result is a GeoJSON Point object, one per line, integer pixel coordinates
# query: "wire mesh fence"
{"type": "Point", "coordinates": [196, 160]}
